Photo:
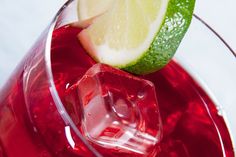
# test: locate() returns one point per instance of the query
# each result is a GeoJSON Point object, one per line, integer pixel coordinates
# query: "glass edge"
{"type": "Point", "coordinates": [196, 77]}
{"type": "Point", "coordinates": [60, 106]}
{"type": "Point", "coordinates": [216, 33]}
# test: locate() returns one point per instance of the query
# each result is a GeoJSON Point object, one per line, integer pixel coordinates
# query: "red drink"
{"type": "Point", "coordinates": [33, 126]}
{"type": "Point", "coordinates": [190, 119]}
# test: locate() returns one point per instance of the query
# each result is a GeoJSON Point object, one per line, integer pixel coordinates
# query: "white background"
{"type": "Point", "coordinates": [22, 21]}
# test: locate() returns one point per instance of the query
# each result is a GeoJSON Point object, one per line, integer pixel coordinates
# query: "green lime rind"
{"type": "Point", "coordinates": [175, 24]}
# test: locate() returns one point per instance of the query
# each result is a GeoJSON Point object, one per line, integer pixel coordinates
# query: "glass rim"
{"type": "Point", "coordinates": [59, 105]}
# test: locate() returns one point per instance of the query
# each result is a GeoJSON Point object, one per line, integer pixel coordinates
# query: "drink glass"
{"type": "Point", "coordinates": [35, 122]}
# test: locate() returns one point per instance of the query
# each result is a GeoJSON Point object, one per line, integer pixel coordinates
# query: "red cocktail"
{"type": "Point", "coordinates": [41, 113]}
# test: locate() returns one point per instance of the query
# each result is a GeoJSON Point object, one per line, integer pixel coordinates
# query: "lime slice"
{"type": "Point", "coordinates": [139, 36]}
{"type": "Point", "coordinates": [88, 9]}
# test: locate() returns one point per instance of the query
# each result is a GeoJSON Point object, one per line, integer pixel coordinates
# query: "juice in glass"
{"type": "Point", "coordinates": [40, 113]}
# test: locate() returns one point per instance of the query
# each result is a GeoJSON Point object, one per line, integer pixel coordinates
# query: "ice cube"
{"type": "Point", "coordinates": [117, 110]}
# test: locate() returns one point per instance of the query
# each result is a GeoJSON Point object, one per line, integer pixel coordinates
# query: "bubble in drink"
{"type": "Point", "coordinates": [116, 110]}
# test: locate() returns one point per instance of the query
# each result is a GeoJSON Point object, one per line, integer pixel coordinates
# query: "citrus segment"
{"type": "Point", "coordinates": [140, 36]}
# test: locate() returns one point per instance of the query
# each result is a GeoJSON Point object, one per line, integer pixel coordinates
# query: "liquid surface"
{"type": "Point", "coordinates": [191, 125]}
{"type": "Point", "coordinates": [116, 110]}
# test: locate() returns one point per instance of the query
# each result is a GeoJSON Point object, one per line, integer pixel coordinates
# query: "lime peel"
{"type": "Point", "coordinates": [167, 40]}
{"type": "Point", "coordinates": [161, 42]}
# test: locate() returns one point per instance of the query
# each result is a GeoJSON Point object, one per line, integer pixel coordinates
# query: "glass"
{"type": "Point", "coordinates": [34, 118]}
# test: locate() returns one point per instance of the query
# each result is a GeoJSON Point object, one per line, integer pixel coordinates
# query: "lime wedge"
{"type": "Point", "coordinates": [88, 9]}
{"type": "Point", "coordinates": [139, 36]}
